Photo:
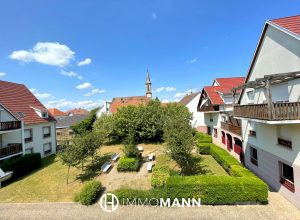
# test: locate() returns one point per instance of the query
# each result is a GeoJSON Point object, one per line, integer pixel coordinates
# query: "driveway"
{"type": "Point", "coordinates": [278, 208]}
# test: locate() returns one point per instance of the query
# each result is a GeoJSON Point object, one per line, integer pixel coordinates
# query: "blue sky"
{"type": "Point", "coordinates": [185, 45]}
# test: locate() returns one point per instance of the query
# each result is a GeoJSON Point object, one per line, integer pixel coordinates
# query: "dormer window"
{"type": "Point", "coordinates": [44, 114]}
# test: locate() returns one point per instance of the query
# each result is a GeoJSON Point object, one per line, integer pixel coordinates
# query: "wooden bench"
{"type": "Point", "coordinates": [105, 167]}
{"type": "Point", "coordinates": [140, 148]}
{"type": "Point", "coordinates": [5, 175]}
{"type": "Point", "coordinates": [150, 157]}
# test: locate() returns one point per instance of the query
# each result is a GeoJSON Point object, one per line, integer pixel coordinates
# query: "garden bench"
{"type": "Point", "coordinates": [115, 157]}
{"type": "Point", "coordinates": [5, 175]}
{"type": "Point", "coordinates": [105, 167]}
{"type": "Point", "coordinates": [149, 167]}
{"type": "Point", "coordinates": [150, 157]}
{"type": "Point", "coordinates": [140, 148]}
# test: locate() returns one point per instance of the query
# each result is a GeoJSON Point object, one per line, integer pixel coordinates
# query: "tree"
{"type": "Point", "coordinates": [69, 157]}
{"type": "Point", "coordinates": [178, 136]}
{"type": "Point", "coordinates": [105, 127]}
{"type": "Point", "coordinates": [130, 149]}
{"type": "Point", "coordinates": [86, 125]}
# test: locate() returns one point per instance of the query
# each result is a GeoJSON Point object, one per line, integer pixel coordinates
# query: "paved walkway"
{"type": "Point", "coordinates": [278, 208]}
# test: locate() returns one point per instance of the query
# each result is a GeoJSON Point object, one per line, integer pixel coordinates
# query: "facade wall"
{"type": "Point", "coordinates": [11, 137]}
{"type": "Point", "coordinates": [37, 144]}
{"type": "Point", "coordinates": [198, 117]}
{"type": "Point", "coordinates": [6, 116]}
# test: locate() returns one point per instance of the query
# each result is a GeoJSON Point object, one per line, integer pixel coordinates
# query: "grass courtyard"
{"type": "Point", "coordinates": [48, 184]}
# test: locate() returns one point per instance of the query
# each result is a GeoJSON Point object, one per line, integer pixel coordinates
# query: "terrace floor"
{"type": "Point", "coordinates": [278, 208]}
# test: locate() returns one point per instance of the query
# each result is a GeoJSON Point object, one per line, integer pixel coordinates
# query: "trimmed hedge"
{"type": "Point", "coordinates": [22, 165]}
{"type": "Point", "coordinates": [89, 193]}
{"type": "Point", "coordinates": [160, 176]}
{"type": "Point", "coordinates": [203, 138]}
{"type": "Point", "coordinates": [128, 164]}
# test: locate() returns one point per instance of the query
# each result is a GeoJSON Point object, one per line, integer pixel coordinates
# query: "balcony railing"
{"type": "Point", "coordinates": [287, 183]}
{"type": "Point", "coordinates": [231, 128]}
{"type": "Point", "coordinates": [10, 125]}
{"type": "Point", "coordinates": [11, 149]}
{"type": "Point", "coordinates": [279, 111]}
{"type": "Point", "coordinates": [209, 108]}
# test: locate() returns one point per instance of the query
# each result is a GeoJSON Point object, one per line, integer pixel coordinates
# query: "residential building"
{"type": "Point", "coordinates": [77, 111]}
{"type": "Point", "coordinates": [191, 102]}
{"type": "Point", "coordinates": [56, 113]}
{"type": "Point", "coordinates": [132, 100]}
{"type": "Point", "coordinates": [105, 109]}
{"type": "Point", "coordinates": [216, 105]}
{"type": "Point", "coordinates": [269, 108]}
{"type": "Point", "coordinates": [63, 127]}
{"type": "Point", "coordinates": [25, 124]}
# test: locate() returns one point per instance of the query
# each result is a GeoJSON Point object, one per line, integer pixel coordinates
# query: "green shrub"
{"type": "Point", "coordinates": [160, 176]}
{"type": "Point", "coordinates": [128, 164]}
{"type": "Point", "coordinates": [22, 165]}
{"type": "Point", "coordinates": [203, 138]}
{"type": "Point", "coordinates": [203, 148]}
{"type": "Point", "coordinates": [89, 192]}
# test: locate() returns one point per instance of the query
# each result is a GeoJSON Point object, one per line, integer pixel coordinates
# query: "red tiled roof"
{"type": "Point", "coordinates": [56, 112]}
{"type": "Point", "coordinates": [225, 87]}
{"type": "Point", "coordinates": [17, 98]}
{"type": "Point", "coordinates": [126, 101]}
{"type": "Point", "coordinates": [291, 23]}
{"type": "Point", "coordinates": [78, 111]}
{"type": "Point", "coordinates": [186, 99]}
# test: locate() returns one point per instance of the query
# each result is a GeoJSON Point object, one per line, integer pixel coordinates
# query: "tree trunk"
{"type": "Point", "coordinates": [68, 175]}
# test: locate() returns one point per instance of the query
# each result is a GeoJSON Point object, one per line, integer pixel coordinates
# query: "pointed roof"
{"type": "Point", "coordinates": [20, 101]}
{"type": "Point", "coordinates": [148, 80]}
{"type": "Point", "coordinates": [56, 112]}
{"type": "Point", "coordinates": [292, 23]}
{"type": "Point", "coordinates": [119, 102]}
{"type": "Point", "coordinates": [188, 98]}
{"type": "Point", "coordinates": [78, 111]}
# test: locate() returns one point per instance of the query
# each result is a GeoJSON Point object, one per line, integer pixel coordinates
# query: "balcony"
{"type": "Point", "coordinates": [277, 112]}
{"type": "Point", "coordinates": [11, 149]}
{"type": "Point", "coordinates": [231, 128]}
{"type": "Point", "coordinates": [10, 125]}
{"type": "Point", "coordinates": [209, 108]}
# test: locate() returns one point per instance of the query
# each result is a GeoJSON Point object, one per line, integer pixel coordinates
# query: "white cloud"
{"type": "Point", "coordinates": [85, 85]}
{"type": "Point", "coordinates": [49, 53]}
{"type": "Point", "coordinates": [181, 94]}
{"type": "Point", "coordinates": [39, 95]}
{"type": "Point", "coordinates": [64, 104]}
{"type": "Point", "coordinates": [95, 91]}
{"type": "Point", "coordinates": [192, 61]}
{"type": "Point", "coordinates": [154, 16]}
{"type": "Point", "coordinates": [166, 89]}
{"type": "Point", "coordinates": [2, 74]}
{"type": "Point", "coordinates": [68, 73]}
{"type": "Point", "coordinates": [80, 77]}
{"type": "Point", "coordinates": [87, 61]}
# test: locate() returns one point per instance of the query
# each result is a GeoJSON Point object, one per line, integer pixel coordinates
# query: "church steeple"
{"type": "Point", "coordinates": [148, 86]}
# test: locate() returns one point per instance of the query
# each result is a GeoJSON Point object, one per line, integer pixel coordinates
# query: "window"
{"type": "Point", "coordinates": [215, 133]}
{"type": "Point", "coordinates": [44, 114]}
{"type": "Point", "coordinates": [47, 148]}
{"type": "Point", "coordinates": [28, 135]}
{"type": "Point", "coordinates": [29, 150]}
{"type": "Point", "coordinates": [46, 132]}
{"type": "Point", "coordinates": [253, 155]}
{"type": "Point", "coordinates": [252, 133]}
{"type": "Point", "coordinates": [250, 96]}
{"type": "Point", "coordinates": [285, 142]}
{"type": "Point", "coordinates": [287, 176]}
{"type": "Point", "coordinates": [21, 114]}
{"type": "Point", "coordinates": [211, 120]}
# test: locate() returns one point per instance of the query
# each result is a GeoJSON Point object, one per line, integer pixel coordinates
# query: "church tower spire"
{"type": "Point", "coordinates": [148, 86]}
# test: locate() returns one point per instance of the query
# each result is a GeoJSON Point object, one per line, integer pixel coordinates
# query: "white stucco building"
{"type": "Point", "coordinates": [191, 102]}
{"type": "Point", "coordinates": [269, 108]}
{"type": "Point", "coordinates": [25, 125]}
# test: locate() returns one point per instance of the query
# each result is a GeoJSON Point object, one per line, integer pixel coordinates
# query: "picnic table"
{"type": "Point", "coordinates": [5, 175]}
{"type": "Point", "coordinates": [105, 167]}
{"type": "Point", "coordinates": [140, 148]}
{"type": "Point", "coordinates": [151, 157]}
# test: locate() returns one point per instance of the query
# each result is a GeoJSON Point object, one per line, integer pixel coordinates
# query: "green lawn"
{"type": "Point", "coordinates": [211, 166]}
{"type": "Point", "coordinates": [47, 184]}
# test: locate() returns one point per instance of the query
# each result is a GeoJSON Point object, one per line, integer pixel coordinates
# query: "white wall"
{"type": "Point", "coordinates": [5, 116]}
{"type": "Point", "coordinates": [38, 140]}
{"type": "Point", "coordinates": [198, 117]}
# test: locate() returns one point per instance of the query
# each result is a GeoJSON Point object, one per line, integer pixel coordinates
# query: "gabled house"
{"type": "Point", "coordinates": [191, 102]}
{"type": "Point", "coordinates": [269, 108]}
{"type": "Point", "coordinates": [25, 124]}
{"type": "Point", "coordinates": [216, 104]}
{"type": "Point", "coordinates": [56, 113]}
{"type": "Point", "coordinates": [77, 111]}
